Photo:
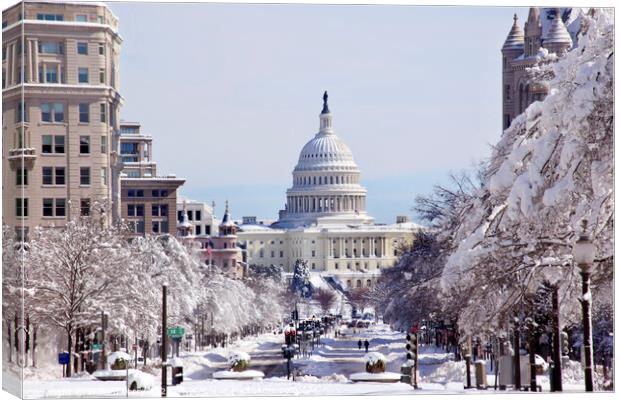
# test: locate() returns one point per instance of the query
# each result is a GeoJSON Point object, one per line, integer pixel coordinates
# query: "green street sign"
{"type": "Point", "coordinates": [176, 332]}
{"type": "Point", "coordinates": [96, 346]}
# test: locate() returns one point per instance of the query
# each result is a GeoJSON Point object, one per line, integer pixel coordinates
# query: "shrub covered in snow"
{"type": "Point", "coordinates": [139, 380]}
{"type": "Point", "coordinates": [375, 362]}
{"type": "Point", "coordinates": [238, 361]}
{"type": "Point", "coordinates": [118, 360]}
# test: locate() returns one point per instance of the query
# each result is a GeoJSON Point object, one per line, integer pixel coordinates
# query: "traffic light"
{"type": "Point", "coordinates": [412, 346]}
{"type": "Point", "coordinates": [564, 341]}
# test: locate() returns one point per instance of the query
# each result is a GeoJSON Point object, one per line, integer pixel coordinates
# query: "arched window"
{"type": "Point", "coordinates": [368, 283]}
{"type": "Point", "coordinates": [314, 180]}
{"type": "Point", "coordinates": [359, 283]}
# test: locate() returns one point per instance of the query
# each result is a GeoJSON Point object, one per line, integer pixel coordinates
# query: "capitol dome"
{"type": "Point", "coordinates": [324, 151]}
{"type": "Point", "coordinates": [326, 187]}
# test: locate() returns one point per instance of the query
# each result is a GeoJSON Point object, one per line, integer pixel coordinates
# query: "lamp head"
{"type": "Point", "coordinates": [583, 249]}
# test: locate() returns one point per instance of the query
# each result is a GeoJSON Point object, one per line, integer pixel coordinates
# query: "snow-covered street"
{"type": "Point", "coordinates": [325, 372]}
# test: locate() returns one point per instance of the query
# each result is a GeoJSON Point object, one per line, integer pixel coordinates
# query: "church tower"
{"type": "Point", "coordinates": [511, 50]}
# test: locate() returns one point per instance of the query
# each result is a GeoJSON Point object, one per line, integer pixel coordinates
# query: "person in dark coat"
{"type": "Point", "coordinates": [359, 344]}
{"type": "Point", "coordinates": [366, 344]}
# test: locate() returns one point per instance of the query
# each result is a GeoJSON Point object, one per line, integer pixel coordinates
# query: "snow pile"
{"type": "Point", "coordinates": [329, 378]}
{"type": "Point", "coordinates": [139, 380]}
{"type": "Point", "coordinates": [450, 371]}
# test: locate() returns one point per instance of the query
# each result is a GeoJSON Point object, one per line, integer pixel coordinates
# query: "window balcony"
{"type": "Point", "coordinates": [17, 155]}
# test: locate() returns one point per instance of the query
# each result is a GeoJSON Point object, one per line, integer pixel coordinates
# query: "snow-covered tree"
{"type": "Point", "coordinates": [552, 168]}
{"type": "Point", "coordinates": [74, 271]}
{"type": "Point", "coordinates": [326, 299]}
{"type": "Point", "coordinates": [301, 279]}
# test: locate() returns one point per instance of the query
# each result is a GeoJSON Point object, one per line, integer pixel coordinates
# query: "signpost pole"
{"type": "Point", "coordinates": [164, 333]}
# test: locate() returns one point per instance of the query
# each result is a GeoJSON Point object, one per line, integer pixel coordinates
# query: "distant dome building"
{"type": "Point", "coordinates": [325, 221]}
{"type": "Point", "coordinates": [326, 183]}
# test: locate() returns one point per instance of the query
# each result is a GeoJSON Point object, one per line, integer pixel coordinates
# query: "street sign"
{"type": "Point", "coordinates": [63, 358]}
{"type": "Point", "coordinates": [96, 346]}
{"type": "Point", "coordinates": [176, 332]}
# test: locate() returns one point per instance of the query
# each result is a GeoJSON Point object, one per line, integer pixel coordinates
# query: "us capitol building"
{"type": "Point", "coordinates": [325, 221]}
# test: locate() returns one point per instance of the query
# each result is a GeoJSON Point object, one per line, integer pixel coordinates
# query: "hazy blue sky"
{"type": "Point", "coordinates": [231, 92]}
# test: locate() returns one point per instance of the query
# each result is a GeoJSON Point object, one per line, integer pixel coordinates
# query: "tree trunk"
{"type": "Point", "coordinates": [34, 345]}
{"type": "Point", "coordinates": [69, 345]}
{"type": "Point", "coordinates": [10, 335]}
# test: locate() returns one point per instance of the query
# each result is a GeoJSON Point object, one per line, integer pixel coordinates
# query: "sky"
{"type": "Point", "coordinates": [232, 92]}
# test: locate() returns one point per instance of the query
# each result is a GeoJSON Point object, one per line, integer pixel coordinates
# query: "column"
{"type": "Point", "coordinates": [35, 50]}
{"type": "Point", "coordinates": [371, 247]}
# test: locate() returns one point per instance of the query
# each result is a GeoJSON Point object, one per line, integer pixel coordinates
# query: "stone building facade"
{"type": "Point", "coordinates": [61, 99]}
{"type": "Point", "coordinates": [552, 29]}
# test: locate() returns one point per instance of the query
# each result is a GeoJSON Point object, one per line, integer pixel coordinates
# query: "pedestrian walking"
{"type": "Point", "coordinates": [366, 344]}
{"type": "Point", "coordinates": [359, 344]}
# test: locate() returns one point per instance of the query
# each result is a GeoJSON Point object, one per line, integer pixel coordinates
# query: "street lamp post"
{"type": "Point", "coordinates": [583, 254]}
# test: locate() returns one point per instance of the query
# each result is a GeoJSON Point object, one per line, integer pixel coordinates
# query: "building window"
{"type": "Point", "coordinates": [313, 253]}
{"type": "Point", "coordinates": [83, 75]}
{"type": "Point", "coordinates": [52, 112]}
{"type": "Point", "coordinates": [104, 176]}
{"type": "Point", "coordinates": [190, 215]}
{"type": "Point", "coordinates": [135, 210]}
{"type": "Point", "coordinates": [50, 17]}
{"type": "Point", "coordinates": [261, 253]}
{"type": "Point", "coordinates": [21, 177]}
{"type": "Point", "coordinates": [281, 254]}
{"type": "Point", "coordinates": [51, 178]}
{"type": "Point", "coordinates": [59, 175]}
{"type": "Point", "coordinates": [102, 113]}
{"type": "Point", "coordinates": [54, 207]}
{"type": "Point", "coordinates": [336, 265]}
{"type": "Point", "coordinates": [313, 266]}
{"type": "Point", "coordinates": [198, 215]}
{"type": "Point", "coordinates": [179, 215]}
{"type": "Point", "coordinates": [49, 74]}
{"type": "Point", "coordinates": [198, 230]}
{"type": "Point", "coordinates": [82, 48]}
{"type": "Point", "coordinates": [47, 174]}
{"type": "Point", "coordinates": [84, 113]}
{"type": "Point", "coordinates": [507, 92]}
{"type": "Point", "coordinates": [81, 18]}
{"type": "Point", "coordinates": [102, 77]}
{"type": "Point", "coordinates": [21, 207]}
{"type": "Point", "coordinates": [60, 207]}
{"type": "Point", "coordinates": [101, 49]}
{"type": "Point", "coordinates": [84, 144]}
{"type": "Point", "coordinates": [160, 226]}
{"type": "Point", "coordinates": [100, 19]}
{"type": "Point", "coordinates": [135, 193]}
{"type": "Point", "coordinates": [21, 114]}
{"type": "Point", "coordinates": [51, 48]}
{"type": "Point", "coordinates": [159, 210]}
{"type": "Point", "coordinates": [273, 254]}
{"type": "Point", "coordinates": [84, 175]}
{"type": "Point", "coordinates": [84, 207]}
{"type": "Point", "coordinates": [104, 144]}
